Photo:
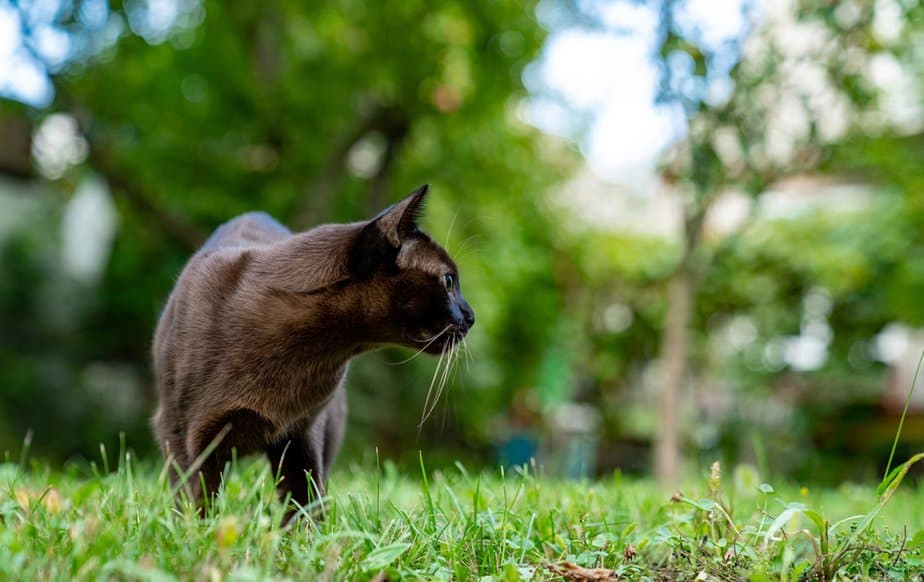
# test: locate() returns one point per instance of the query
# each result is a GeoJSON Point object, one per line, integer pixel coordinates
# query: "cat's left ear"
{"type": "Point", "coordinates": [379, 240]}
{"type": "Point", "coordinates": [399, 221]}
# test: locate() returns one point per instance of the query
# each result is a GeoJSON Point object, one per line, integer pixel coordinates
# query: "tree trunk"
{"type": "Point", "coordinates": [395, 132]}
{"type": "Point", "coordinates": [675, 345]}
{"type": "Point", "coordinates": [16, 146]}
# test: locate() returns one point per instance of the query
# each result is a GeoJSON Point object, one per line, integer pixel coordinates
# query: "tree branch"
{"type": "Point", "coordinates": [176, 226]}
{"type": "Point", "coordinates": [317, 201]}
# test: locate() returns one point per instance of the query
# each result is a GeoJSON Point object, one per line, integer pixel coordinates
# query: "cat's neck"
{"type": "Point", "coordinates": [307, 261]}
{"type": "Point", "coordinates": [315, 313]}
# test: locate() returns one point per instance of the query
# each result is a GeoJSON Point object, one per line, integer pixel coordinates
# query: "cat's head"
{"type": "Point", "coordinates": [414, 278]}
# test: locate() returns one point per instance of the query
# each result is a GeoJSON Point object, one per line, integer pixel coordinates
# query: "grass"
{"type": "Point", "coordinates": [83, 523]}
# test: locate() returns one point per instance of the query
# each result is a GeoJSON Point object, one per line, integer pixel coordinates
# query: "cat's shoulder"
{"type": "Point", "coordinates": [250, 229]}
{"type": "Point", "coordinates": [221, 264]}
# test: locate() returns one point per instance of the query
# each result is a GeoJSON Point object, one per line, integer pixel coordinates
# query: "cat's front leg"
{"type": "Point", "coordinates": [297, 463]}
{"type": "Point", "coordinates": [213, 445]}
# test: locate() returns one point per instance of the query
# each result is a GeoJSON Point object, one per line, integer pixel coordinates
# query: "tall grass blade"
{"type": "Point", "coordinates": [426, 490]}
{"type": "Point", "coordinates": [26, 446]}
{"type": "Point", "coordinates": [914, 382]}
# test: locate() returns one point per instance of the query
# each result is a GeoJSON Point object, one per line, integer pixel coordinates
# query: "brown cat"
{"type": "Point", "coordinates": [252, 347]}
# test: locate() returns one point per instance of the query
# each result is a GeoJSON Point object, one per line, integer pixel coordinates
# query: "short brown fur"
{"type": "Point", "coordinates": [253, 345]}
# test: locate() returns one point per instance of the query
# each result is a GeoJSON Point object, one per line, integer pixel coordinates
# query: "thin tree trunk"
{"type": "Point", "coordinates": [16, 147]}
{"type": "Point", "coordinates": [675, 345]}
{"type": "Point", "coordinates": [317, 199]}
{"type": "Point", "coordinates": [395, 133]}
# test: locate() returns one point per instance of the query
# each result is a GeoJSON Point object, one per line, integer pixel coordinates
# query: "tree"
{"type": "Point", "coordinates": [790, 102]}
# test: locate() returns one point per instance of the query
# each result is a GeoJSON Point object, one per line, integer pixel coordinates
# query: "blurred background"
{"type": "Point", "coordinates": [691, 229]}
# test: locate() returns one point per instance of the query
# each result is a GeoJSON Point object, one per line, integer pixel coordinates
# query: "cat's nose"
{"type": "Point", "coordinates": [468, 315]}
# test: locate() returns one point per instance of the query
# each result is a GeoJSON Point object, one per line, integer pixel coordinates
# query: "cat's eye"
{"type": "Point", "coordinates": [449, 281]}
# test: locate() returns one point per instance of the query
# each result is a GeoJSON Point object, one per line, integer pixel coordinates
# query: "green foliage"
{"type": "Point", "coordinates": [894, 161]}
{"type": "Point", "coordinates": [764, 279]}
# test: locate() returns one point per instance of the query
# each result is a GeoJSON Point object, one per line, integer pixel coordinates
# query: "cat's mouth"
{"type": "Point", "coordinates": [437, 342]}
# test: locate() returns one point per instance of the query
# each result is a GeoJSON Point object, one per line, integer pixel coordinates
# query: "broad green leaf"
{"type": "Point", "coordinates": [780, 522]}
{"type": "Point", "coordinates": [383, 556]}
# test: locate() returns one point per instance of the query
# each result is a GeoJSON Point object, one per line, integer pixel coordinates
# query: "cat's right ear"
{"type": "Point", "coordinates": [381, 237]}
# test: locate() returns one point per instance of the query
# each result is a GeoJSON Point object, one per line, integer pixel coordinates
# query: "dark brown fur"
{"type": "Point", "coordinates": [253, 345]}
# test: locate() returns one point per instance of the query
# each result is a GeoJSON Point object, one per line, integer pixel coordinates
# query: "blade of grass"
{"type": "Point", "coordinates": [426, 492]}
{"type": "Point", "coordinates": [914, 381]}
{"type": "Point", "coordinates": [26, 446]}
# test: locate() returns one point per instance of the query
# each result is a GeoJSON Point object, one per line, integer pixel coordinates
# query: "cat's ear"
{"type": "Point", "coordinates": [379, 240]}
{"type": "Point", "coordinates": [397, 222]}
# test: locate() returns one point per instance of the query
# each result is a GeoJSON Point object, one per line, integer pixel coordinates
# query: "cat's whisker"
{"type": "Point", "coordinates": [464, 348]}
{"type": "Point", "coordinates": [467, 253]}
{"type": "Point", "coordinates": [455, 370]}
{"type": "Point", "coordinates": [453, 358]}
{"type": "Point", "coordinates": [471, 238]}
{"type": "Point", "coordinates": [421, 350]}
{"type": "Point", "coordinates": [430, 406]}
{"type": "Point", "coordinates": [462, 355]}
{"type": "Point", "coordinates": [443, 378]}
{"type": "Point", "coordinates": [445, 375]}
{"type": "Point", "coordinates": [468, 355]}
{"type": "Point", "coordinates": [426, 407]}
{"type": "Point", "coordinates": [436, 372]}
{"type": "Point", "coordinates": [464, 249]}
{"type": "Point", "coordinates": [449, 232]}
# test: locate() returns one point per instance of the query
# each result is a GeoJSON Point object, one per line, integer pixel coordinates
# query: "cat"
{"type": "Point", "coordinates": [252, 347]}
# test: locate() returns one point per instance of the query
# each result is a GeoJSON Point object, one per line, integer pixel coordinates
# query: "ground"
{"type": "Point", "coordinates": [89, 523]}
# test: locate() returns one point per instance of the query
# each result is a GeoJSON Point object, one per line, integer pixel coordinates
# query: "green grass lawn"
{"type": "Point", "coordinates": [82, 524]}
